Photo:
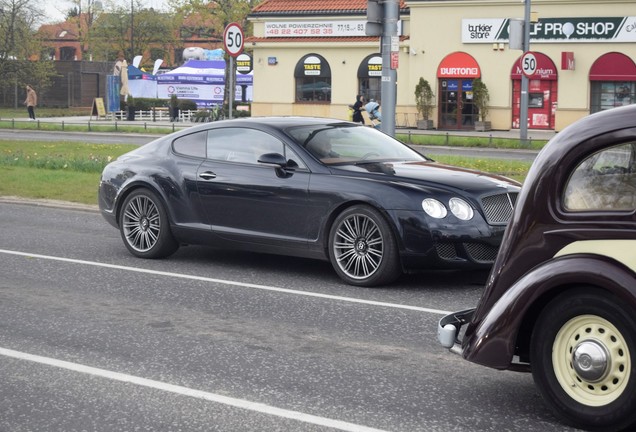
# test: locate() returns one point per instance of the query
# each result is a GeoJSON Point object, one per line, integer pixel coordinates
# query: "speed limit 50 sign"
{"type": "Point", "coordinates": [233, 39]}
{"type": "Point", "coordinates": [529, 64]}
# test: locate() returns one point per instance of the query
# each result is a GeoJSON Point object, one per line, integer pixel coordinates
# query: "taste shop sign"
{"type": "Point", "coordinates": [554, 30]}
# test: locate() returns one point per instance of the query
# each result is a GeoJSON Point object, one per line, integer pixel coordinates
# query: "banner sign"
{"type": "Point", "coordinates": [554, 30]}
{"type": "Point", "coordinates": [206, 96]}
{"type": "Point", "coordinates": [318, 29]}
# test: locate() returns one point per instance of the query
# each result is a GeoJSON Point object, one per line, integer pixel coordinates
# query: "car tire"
{"type": "Point", "coordinates": [583, 355]}
{"type": "Point", "coordinates": [362, 248]}
{"type": "Point", "coordinates": [144, 226]}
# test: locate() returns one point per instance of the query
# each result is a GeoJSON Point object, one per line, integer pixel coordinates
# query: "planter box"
{"type": "Point", "coordinates": [482, 126]}
{"type": "Point", "coordinates": [425, 124]}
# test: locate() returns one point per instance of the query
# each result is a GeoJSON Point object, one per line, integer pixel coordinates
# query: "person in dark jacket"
{"type": "Point", "coordinates": [358, 107]}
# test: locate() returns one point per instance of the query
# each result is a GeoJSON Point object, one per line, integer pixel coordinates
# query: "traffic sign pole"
{"type": "Point", "coordinates": [233, 43]}
{"type": "Point", "coordinates": [523, 115]}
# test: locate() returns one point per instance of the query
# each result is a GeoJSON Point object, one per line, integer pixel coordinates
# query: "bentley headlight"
{"type": "Point", "coordinates": [434, 208]}
{"type": "Point", "coordinates": [461, 209]}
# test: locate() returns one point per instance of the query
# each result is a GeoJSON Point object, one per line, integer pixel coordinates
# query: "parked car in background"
{"type": "Point", "coordinates": [561, 297]}
{"type": "Point", "coordinates": [308, 187]}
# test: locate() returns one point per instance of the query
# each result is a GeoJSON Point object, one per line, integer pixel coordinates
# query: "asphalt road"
{"type": "Point", "coordinates": [92, 339]}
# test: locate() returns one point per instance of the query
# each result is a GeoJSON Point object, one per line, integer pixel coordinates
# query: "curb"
{"type": "Point", "coordinates": [49, 203]}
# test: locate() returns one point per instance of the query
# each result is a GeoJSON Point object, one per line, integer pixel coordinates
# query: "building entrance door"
{"type": "Point", "coordinates": [456, 110]}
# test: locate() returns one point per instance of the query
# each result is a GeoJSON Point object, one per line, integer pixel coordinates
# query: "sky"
{"type": "Point", "coordinates": [55, 11]}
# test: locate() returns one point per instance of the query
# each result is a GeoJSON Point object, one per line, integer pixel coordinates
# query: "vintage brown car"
{"type": "Point", "coordinates": [560, 300]}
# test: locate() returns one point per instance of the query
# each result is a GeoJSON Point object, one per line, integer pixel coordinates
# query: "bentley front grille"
{"type": "Point", "coordinates": [498, 208]}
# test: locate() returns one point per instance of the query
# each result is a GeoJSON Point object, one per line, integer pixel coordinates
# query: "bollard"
{"type": "Point", "coordinates": [490, 140]}
{"type": "Point", "coordinates": [447, 138]}
{"type": "Point", "coordinates": [62, 125]}
{"type": "Point", "coordinates": [89, 125]}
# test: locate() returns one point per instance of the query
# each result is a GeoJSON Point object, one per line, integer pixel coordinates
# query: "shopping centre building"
{"type": "Point", "coordinates": [311, 57]}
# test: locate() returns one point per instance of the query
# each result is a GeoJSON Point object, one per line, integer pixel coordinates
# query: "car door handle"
{"type": "Point", "coordinates": [207, 175]}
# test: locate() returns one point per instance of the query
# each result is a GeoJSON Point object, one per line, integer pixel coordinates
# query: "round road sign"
{"type": "Point", "coordinates": [233, 39]}
{"type": "Point", "coordinates": [528, 64]}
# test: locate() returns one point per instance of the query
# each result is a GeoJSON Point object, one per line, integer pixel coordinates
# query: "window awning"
{"type": "Point", "coordinates": [458, 65]}
{"type": "Point", "coordinates": [613, 66]}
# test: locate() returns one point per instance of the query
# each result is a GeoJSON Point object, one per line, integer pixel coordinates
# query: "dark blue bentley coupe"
{"type": "Point", "coordinates": [307, 187]}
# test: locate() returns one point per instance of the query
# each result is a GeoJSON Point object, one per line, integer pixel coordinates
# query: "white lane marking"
{"type": "Point", "coordinates": [185, 391]}
{"type": "Point", "coordinates": [229, 282]}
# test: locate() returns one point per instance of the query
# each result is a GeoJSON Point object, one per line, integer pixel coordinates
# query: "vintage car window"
{"type": "Point", "coordinates": [190, 145]}
{"type": "Point", "coordinates": [241, 144]}
{"type": "Point", "coordinates": [605, 181]}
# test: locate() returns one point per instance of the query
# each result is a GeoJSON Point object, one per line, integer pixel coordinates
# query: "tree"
{"type": "Point", "coordinates": [218, 14]}
{"type": "Point", "coordinates": [18, 43]}
{"type": "Point", "coordinates": [481, 98]}
{"type": "Point", "coordinates": [424, 98]}
{"type": "Point", "coordinates": [112, 30]}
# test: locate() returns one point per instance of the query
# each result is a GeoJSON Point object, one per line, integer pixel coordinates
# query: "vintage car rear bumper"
{"type": "Point", "coordinates": [449, 328]}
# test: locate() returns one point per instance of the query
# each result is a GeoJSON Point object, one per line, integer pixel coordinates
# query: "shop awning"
{"type": "Point", "coordinates": [458, 65]}
{"type": "Point", "coordinates": [613, 66]}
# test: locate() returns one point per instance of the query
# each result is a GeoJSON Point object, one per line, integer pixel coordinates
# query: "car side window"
{"type": "Point", "coordinates": [293, 160]}
{"type": "Point", "coordinates": [190, 145]}
{"type": "Point", "coordinates": [605, 181]}
{"type": "Point", "coordinates": [241, 145]}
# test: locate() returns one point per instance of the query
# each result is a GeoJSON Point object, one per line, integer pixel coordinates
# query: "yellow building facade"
{"type": "Point", "coordinates": [314, 61]}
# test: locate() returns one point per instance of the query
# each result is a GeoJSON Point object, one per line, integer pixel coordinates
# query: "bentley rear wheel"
{"type": "Point", "coordinates": [144, 226]}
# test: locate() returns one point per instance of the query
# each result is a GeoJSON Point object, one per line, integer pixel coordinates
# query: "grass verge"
{"type": "Point", "coordinates": [67, 171]}
{"type": "Point", "coordinates": [470, 141]}
{"type": "Point", "coordinates": [70, 171]}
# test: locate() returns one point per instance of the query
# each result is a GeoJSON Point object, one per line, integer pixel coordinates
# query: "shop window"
{"type": "Point", "coordinates": [178, 55]}
{"type": "Point", "coordinates": [370, 77]}
{"type": "Point", "coordinates": [610, 94]}
{"type": "Point", "coordinates": [67, 53]}
{"type": "Point", "coordinates": [157, 53]}
{"type": "Point", "coordinates": [47, 53]}
{"type": "Point", "coordinates": [313, 79]}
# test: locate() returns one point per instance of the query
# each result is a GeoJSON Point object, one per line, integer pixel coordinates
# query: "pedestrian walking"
{"type": "Point", "coordinates": [31, 101]}
{"type": "Point", "coordinates": [373, 108]}
{"type": "Point", "coordinates": [358, 107]}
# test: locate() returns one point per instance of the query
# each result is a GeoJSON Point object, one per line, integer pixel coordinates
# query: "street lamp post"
{"type": "Point", "coordinates": [132, 31]}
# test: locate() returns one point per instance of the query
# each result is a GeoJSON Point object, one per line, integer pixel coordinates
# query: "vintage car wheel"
{"type": "Point", "coordinates": [582, 353]}
{"type": "Point", "coordinates": [144, 226]}
{"type": "Point", "coordinates": [362, 248]}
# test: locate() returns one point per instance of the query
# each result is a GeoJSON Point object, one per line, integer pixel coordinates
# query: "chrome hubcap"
{"type": "Point", "coordinates": [141, 223]}
{"type": "Point", "coordinates": [590, 361]}
{"type": "Point", "coordinates": [358, 246]}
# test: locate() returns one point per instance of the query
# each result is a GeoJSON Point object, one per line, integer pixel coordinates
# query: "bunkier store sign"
{"type": "Point", "coordinates": [551, 30]}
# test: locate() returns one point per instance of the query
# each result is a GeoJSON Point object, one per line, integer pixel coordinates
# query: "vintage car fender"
{"type": "Point", "coordinates": [497, 331]}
